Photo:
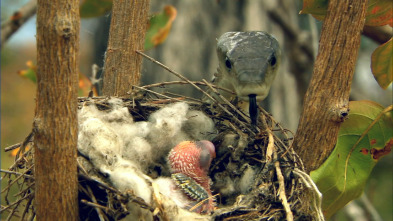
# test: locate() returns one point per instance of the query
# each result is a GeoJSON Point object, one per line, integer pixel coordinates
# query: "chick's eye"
{"type": "Point", "coordinates": [228, 63]}
{"type": "Point", "coordinates": [273, 61]}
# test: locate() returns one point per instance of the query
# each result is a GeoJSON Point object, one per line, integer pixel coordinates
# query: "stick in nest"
{"type": "Point", "coordinates": [316, 195]}
{"type": "Point", "coordinates": [198, 88]}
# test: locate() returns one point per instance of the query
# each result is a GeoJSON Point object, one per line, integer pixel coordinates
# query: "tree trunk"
{"type": "Point", "coordinates": [55, 124]}
{"type": "Point", "coordinates": [326, 101]}
{"type": "Point", "coordinates": [126, 35]}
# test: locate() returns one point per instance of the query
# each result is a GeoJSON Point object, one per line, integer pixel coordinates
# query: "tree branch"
{"type": "Point", "coordinates": [326, 101]}
{"type": "Point", "coordinates": [19, 17]}
{"type": "Point", "coordinates": [126, 35]}
{"type": "Point", "coordinates": [379, 34]}
{"type": "Point", "coordinates": [55, 125]}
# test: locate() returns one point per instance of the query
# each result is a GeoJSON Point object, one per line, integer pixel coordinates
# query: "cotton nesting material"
{"type": "Point", "coordinates": [125, 150]}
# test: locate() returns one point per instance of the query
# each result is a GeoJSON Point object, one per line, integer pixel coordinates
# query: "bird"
{"type": "Point", "coordinates": [247, 64]}
{"type": "Point", "coordinates": [189, 162]}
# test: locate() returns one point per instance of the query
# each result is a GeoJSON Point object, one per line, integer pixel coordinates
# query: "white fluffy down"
{"type": "Point", "coordinates": [125, 149]}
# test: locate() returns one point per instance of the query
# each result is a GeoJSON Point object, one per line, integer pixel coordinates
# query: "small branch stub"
{"type": "Point", "coordinates": [340, 114]}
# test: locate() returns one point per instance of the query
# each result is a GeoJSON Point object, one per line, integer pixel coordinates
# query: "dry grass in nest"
{"type": "Point", "coordinates": [280, 190]}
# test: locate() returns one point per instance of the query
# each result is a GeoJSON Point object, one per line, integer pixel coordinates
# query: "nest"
{"type": "Point", "coordinates": [278, 190]}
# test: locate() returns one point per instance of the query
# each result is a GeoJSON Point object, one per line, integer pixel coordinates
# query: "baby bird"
{"type": "Point", "coordinates": [189, 162]}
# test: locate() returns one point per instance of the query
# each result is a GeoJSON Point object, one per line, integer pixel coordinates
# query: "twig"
{"type": "Point", "coordinates": [25, 142]}
{"type": "Point", "coordinates": [9, 27]}
{"type": "Point", "coordinates": [281, 190]}
{"type": "Point", "coordinates": [137, 200]}
{"type": "Point", "coordinates": [316, 195]}
{"type": "Point", "coordinates": [270, 147]}
{"type": "Point", "coordinates": [16, 173]}
{"type": "Point", "coordinates": [99, 183]}
{"type": "Point", "coordinates": [26, 208]}
{"type": "Point", "coordinates": [12, 147]}
{"type": "Point", "coordinates": [198, 88]}
{"type": "Point", "coordinates": [185, 82]}
{"type": "Point", "coordinates": [156, 93]}
{"type": "Point", "coordinates": [157, 198]}
{"type": "Point", "coordinates": [98, 209]}
{"type": "Point", "coordinates": [226, 101]}
{"type": "Point", "coordinates": [25, 190]}
{"type": "Point", "coordinates": [17, 202]}
{"type": "Point", "coordinates": [16, 179]}
{"type": "Point", "coordinates": [185, 97]}
{"type": "Point", "coordinates": [28, 139]}
{"type": "Point", "coordinates": [95, 205]}
{"type": "Point", "coordinates": [380, 34]}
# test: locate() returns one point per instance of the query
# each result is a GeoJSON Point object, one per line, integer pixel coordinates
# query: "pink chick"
{"type": "Point", "coordinates": [190, 162]}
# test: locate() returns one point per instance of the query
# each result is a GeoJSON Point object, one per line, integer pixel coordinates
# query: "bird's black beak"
{"type": "Point", "coordinates": [253, 109]}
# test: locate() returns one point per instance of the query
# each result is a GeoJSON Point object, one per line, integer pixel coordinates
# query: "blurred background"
{"type": "Point", "coordinates": [190, 50]}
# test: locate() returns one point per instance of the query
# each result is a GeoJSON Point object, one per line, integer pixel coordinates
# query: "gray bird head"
{"type": "Point", "coordinates": [248, 62]}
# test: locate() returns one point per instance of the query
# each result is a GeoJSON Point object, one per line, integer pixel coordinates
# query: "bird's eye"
{"type": "Point", "coordinates": [273, 61]}
{"type": "Point", "coordinates": [228, 63]}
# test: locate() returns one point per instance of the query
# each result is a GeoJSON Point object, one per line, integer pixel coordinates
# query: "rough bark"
{"type": "Point", "coordinates": [126, 35]}
{"type": "Point", "coordinates": [55, 124]}
{"type": "Point", "coordinates": [326, 102]}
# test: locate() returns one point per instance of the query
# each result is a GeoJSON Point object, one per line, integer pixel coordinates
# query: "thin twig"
{"type": "Point", "coordinates": [156, 93]}
{"type": "Point", "coordinates": [16, 173]}
{"type": "Point", "coordinates": [161, 84]}
{"type": "Point", "coordinates": [18, 202]}
{"type": "Point", "coordinates": [9, 27]}
{"type": "Point", "coordinates": [198, 88]}
{"type": "Point", "coordinates": [95, 205]}
{"type": "Point", "coordinates": [16, 179]}
{"type": "Point", "coordinates": [25, 142]}
{"type": "Point", "coordinates": [26, 208]}
{"type": "Point", "coordinates": [98, 209]}
{"type": "Point", "coordinates": [281, 190]}
{"type": "Point", "coordinates": [316, 195]}
{"type": "Point", "coordinates": [185, 97]}
{"type": "Point", "coordinates": [25, 190]}
{"type": "Point", "coordinates": [12, 147]}
{"type": "Point", "coordinates": [247, 119]}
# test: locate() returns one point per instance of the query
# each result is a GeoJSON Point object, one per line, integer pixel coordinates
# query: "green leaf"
{"type": "Point", "coordinates": [381, 64]}
{"type": "Point", "coordinates": [363, 139]}
{"type": "Point", "coordinates": [95, 8]}
{"type": "Point", "coordinates": [159, 26]}
{"type": "Point", "coordinates": [379, 12]}
{"type": "Point", "coordinates": [30, 72]}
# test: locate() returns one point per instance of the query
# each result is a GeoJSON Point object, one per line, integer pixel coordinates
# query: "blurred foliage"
{"type": "Point", "coordinates": [379, 12]}
{"type": "Point", "coordinates": [363, 140]}
{"type": "Point", "coordinates": [159, 27]}
{"type": "Point", "coordinates": [30, 72]}
{"type": "Point", "coordinates": [381, 64]}
{"type": "Point", "coordinates": [95, 8]}
{"type": "Point", "coordinates": [84, 83]}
